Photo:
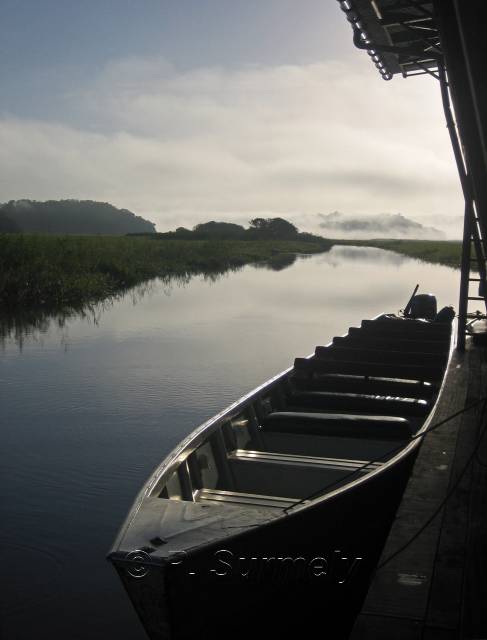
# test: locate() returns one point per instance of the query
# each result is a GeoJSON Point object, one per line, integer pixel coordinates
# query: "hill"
{"type": "Point", "coordinates": [7, 225]}
{"type": "Point", "coordinates": [77, 217]}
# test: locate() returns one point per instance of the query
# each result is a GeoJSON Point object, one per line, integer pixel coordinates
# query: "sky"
{"type": "Point", "coordinates": [185, 111]}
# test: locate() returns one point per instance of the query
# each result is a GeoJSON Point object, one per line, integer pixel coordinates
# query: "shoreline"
{"type": "Point", "coordinates": [54, 272]}
{"type": "Point", "coordinates": [445, 252]}
{"type": "Point", "coordinates": [50, 272]}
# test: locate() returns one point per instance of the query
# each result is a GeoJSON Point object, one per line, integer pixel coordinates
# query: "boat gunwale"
{"type": "Point", "coordinates": [171, 462]}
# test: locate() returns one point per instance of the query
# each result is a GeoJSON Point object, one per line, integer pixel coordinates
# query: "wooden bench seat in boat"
{"type": "Point", "coordinates": [273, 479]}
{"type": "Point", "coordinates": [378, 405]}
{"type": "Point", "coordinates": [375, 369]}
{"type": "Point", "coordinates": [289, 476]}
{"type": "Point", "coordinates": [430, 331]}
{"type": "Point", "coordinates": [421, 323]}
{"type": "Point", "coordinates": [276, 474]}
{"type": "Point", "coordinates": [360, 354]}
{"type": "Point", "coordinates": [360, 339]}
{"type": "Point", "coordinates": [356, 448]}
{"type": "Point", "coordinates": [242, 499]}
{"type": "Point", "coordinates": [351, 384]}
{"type": "Point", "coordinates": [343, 464]}
{"type": "Point", "coordinates": [338, 425]}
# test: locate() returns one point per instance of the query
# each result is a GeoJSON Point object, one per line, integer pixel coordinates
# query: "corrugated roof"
{"type": "Point", "coordinates": [400, 36]}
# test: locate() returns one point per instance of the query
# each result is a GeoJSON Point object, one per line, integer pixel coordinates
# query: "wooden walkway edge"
{"type": "Point", "coordinates": [437, 587]}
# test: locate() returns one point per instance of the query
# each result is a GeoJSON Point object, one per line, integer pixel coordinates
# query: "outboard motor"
{"type": "Point", "coordinates": [423, 305]}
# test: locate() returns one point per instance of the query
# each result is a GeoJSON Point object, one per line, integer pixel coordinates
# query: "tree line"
{"type": "Point", "coordinates": [259, 229]}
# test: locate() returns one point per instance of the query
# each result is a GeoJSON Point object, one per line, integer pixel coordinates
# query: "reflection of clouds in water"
{"type": "Point", "coordinates": [90, 424]}
{"type": "Point", "coordinates": [329, 286]}
{"type": "Point", "coordinates": [372, 255]}
{"type": "Point", "coordinates": [34, 324]}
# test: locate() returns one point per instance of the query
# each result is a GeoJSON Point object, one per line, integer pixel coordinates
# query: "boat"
{"type": "Point", "coordinates": [270, 518]}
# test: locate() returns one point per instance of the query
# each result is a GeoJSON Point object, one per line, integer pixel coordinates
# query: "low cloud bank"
{"type": "Point", "coordinates": [383, 225]}
{"type": "Point", "coordinates": [183, 147]}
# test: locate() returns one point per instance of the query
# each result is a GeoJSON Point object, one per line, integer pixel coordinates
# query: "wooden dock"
{"type": "Point", "coordinates": [436, 587]}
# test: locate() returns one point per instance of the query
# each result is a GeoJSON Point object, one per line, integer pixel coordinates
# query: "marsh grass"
{"type": "Point", "coordinates": [445, 252]}
{"type": "Point", "coordinates": [53, 272]}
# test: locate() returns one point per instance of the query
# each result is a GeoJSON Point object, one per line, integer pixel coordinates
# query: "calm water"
{"type": "Point", "coordinates": [89, 408]}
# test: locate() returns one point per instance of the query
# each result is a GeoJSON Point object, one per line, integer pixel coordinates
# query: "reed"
{"type": "Point", "coordinates": [58, 271]}
{"type": "Point", "coordinates": [445, 252]}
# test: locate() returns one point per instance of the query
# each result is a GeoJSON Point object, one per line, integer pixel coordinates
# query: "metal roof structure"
{"type": "Point", "coordinates": [445, 39]}
{"type": "Point", "coordinates": [401, 36]}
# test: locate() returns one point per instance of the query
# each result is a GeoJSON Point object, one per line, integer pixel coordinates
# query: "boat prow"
{"type": "Point", "coordinates": [271, 516]}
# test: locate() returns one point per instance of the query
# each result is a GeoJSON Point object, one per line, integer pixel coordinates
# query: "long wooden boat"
{"type": "Point", "coordinates": [271, 516]}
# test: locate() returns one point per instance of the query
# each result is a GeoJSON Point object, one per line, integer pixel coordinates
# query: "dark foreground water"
{"type": "Point", "coordinates": [90, 405]}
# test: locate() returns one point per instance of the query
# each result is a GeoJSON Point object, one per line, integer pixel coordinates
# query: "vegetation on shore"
{"type": "Point", "coordinates": [259, 229]}
{"type": "Point", "coordinates": [53, 272]}
{"type": "Point", "coordinates": [47, 271]}
{"type": "Point", "coordinates": [445, 252]}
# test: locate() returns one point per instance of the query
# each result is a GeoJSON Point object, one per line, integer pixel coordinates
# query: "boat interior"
{"type": "Point", "coordinates": [344, 411]}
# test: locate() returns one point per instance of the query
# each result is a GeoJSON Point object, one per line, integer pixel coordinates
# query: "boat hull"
{"type": "Point", "coordinates": [271, 517]}
{"type": "Point", "coordinates": [308, 570]}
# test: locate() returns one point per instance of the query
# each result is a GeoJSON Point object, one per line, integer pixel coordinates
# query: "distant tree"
{"type": "Point", "coordinates": [272, 228]}
{"type": "Point", "coordinates": [311, 237]}
{"type": "Point", "coordinates": [260, 229]}
{"type": "Point", "coordinates": [182, 232]}
{"type": "Point", "coordinates": [219, 230]}
{"type": "Point", "coordinates": [259, 223]}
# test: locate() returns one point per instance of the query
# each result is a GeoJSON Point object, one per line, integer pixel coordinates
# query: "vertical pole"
{"type": "Point", "coordinates": [480, 253]}
{"type": "Point", "coordinates": [469, 212]}
{"type": "Point", "coordinates": [473, 45]}
{"type": "Point", "coordinates": [465, 274]}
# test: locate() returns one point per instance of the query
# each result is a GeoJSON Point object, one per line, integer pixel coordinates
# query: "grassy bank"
{"type": "Point", "coordinates": [53, 272]}
{"type": "Point", "coordinates": [58, 271]}
{"type": "Point", "coordinates": [446, 252]}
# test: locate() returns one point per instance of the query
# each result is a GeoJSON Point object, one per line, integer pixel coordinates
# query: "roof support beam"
{"type": "Point", "coordinates": [393, 18]}
{"type": "Point", "coordinates": [464, 72]}
{"type": "Point", "coordinates": [474, 45]}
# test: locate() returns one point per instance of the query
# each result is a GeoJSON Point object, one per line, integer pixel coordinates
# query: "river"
{"type": "Point", "coordinates": [91, 404]}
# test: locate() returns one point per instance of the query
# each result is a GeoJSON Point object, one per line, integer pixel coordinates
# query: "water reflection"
{"type": "Point", "coordinates": [279, 262]}
{"type": "Point", "coordinates": [32, 324]}
{"type": "Point", "coordinates": [83, 427]}
{"type": "Point", "coordinates": [370, 255]}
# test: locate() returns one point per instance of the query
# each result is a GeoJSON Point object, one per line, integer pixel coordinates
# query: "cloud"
{"type": "Point", "coordinates": [385, 225]}
{"type": "Point", "coordinates": [185, 147]}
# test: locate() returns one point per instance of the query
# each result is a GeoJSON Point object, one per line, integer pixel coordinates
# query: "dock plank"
{"type": "Point", "coordinates": [437, 588]}
{"type": "Point", "coordinates": [446, 593]}
{"type": "Point", "coordinates": [401, 589]}
{"type": "Point", "coordinates": [474, 618]}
